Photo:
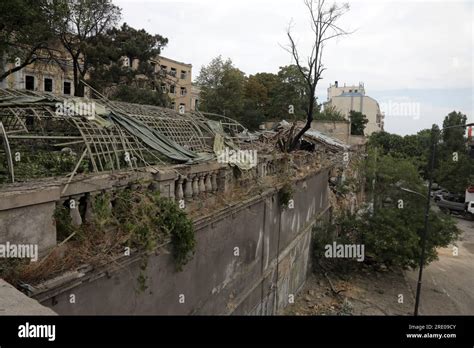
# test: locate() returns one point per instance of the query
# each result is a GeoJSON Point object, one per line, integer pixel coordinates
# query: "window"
{"type": "Point", "coordinates": [183, 90]}
{"type": "Point", "coordinates": [355, 91]}
{"type": "Point", "coordinates": [173, 105]}
{"type": "Point", "coordinates": [183, 75]}
{"type": "Point", "coordinates": [350, 91]}
{"type": "Point", "coordinates": [163, 70]}
{"type": "Point", "coordinates": [173, 72]}
{"type": "Point", "coordinates": [30, 82]}
{"type": "Point", "coordinates": [163, 88]}
{"type": "Point", "coordinates": [48, 84]}
{"type": "Point", "coordinates": [182, 108]}
{"type": "Point", "coordinates": [67, 88]}
{"type": "Point", "coordinates": [172, 89]}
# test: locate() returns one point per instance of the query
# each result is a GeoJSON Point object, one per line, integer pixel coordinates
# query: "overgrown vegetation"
{"type": "Point", "coordinates": [358, 122]}
{"type": "Point", "coordinates": [41, 163]}
{"type": "Point", "coordinates": [391, 237]}
{"type": "Point", "coordinates": [150, 219]}
{"type": "Point", "coordinates": [252, 99]}
{"type": "Point", "coordinates": [329, 113]}
{"type": "Point", "coordinates": [134, 219]}
{"type": "Point", "coordinates": [454, 168]}
{"type": "Point", "coordinates": [391, 226]}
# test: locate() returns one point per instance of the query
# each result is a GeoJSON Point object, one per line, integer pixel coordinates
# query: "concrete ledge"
{"type": "Point", "coordinates": [14, 302]}
{"type": "Point", "coordinates": [16, 199]}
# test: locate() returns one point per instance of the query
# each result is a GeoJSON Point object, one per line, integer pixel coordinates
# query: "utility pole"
{"type": "Point", "coordinates": [434, 141]}
{"type": "Point", "coordinates": [427, 214]}
{"type": "Point", "coordinates": [373, 182]}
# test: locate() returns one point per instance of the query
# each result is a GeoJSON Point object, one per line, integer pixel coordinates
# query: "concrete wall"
{"type": "Point", "coordinates": [14, 302]}
{"type": "Point", "coordinates": [358, 140]}
{"type": "Point", "coordinates": [364, 104]}
{"type": "Point", "coordinates": [273, 262]}
{"type": "Point", "coordinates": [337, 129]}
{"type": "Point", "coordinates": [26, 217]}
{"type": "Point", "coordinates": [336, 89]}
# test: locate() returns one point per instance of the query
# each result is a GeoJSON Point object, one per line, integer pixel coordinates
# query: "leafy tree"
{"type": "Point", "coordinates": [454, 168]}
{"type": "Point", "coordinates": [453, 138]}
{"type": "Point", "coordinates": [251, 117]}
{"type": "Point", "coordinates": [109, 71]}
{"type": "Point", "coordinates": [222, 88]}
{"type": "Point", "coordinates": [386, 142]}
{"type": "Point", "coordinates": [291, 90]}
{"type": "Point", "coordinates": [392, 233]}
{"type": "Point", "coordinates": [145, 96]}
{"type": "Point", "coordinates": [358, 122]}
{"type": "Point", "coordinates": [25, 37]}
{"type": "Point", "coordinates": [80, 25]}
{"type": "Point", "coordinates": [329, 114]}
{"type": "Point", "coordinates": [455, 175]}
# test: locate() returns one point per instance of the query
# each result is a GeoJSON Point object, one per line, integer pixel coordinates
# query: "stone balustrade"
{"type": "Point", "coordinates": [181, 182]}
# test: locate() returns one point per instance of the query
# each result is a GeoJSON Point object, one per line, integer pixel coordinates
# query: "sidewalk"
{"type": "Point", "coordinates": [448, 284]}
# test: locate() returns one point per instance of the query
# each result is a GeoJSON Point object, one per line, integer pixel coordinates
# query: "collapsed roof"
{"type": "Point", "coordinates": [106, 135]}
{"type": "Point", "coordinates": [45, 135]}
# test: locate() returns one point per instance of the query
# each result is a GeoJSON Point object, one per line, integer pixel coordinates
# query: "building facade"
{"type": "Point", "coordinates": [44, 75]}
{"type": "Point", "coordinates": [56, 76]}
{"type": "Point", "coordinates": [348, 98]}
{"type": "Point", "coordinates": [177, 83]}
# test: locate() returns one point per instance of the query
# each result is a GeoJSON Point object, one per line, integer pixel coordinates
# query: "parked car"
{"type": "Point", "coordinates": [447, 206]}
{"type": "Point", "coordinates": [456, 206]}
{"type": "Point", "coordinates": [438, 194]}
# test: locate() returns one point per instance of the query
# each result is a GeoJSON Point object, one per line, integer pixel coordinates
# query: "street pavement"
{"type": "Point", "coordinates": [448, 284]}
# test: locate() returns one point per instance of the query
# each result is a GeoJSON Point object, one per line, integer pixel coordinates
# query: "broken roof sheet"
{"type": "Point", "coordinates": [314, 135]}
{"type": "Point", "coordinates": [110, 135]}
{"type": "Point", "coordinates": [326, 139]}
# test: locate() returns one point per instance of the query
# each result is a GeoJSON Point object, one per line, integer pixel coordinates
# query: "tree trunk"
{"type": "Point", "coordinates": [309, 120]}
{"type": "Point", "coordinates": [78, 85]}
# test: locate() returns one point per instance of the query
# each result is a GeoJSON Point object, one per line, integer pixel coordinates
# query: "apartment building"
{"type": "Point", "coordinates": [56, 76]}
{"type": "Point", "coordinates": [195, 91]}
{"type": "Point", "coordinates": [348, 98]}
{"type": "Point", "coordinates": [44, 75]}
{"type": "Point", "coordinates": [177, 77]}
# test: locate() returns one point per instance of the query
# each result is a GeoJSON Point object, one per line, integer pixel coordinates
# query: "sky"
{"type": "Point", "coordinates": [414, 57]}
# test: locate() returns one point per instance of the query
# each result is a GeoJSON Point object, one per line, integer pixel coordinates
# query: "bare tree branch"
{"type": "Point", "coordinates": [323, 27]}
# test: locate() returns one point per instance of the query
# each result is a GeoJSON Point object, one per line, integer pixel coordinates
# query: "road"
{"type": "Point", "coordinates": [448, 284]}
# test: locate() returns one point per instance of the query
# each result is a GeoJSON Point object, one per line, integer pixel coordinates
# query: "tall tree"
{"type": "Point", "coordinates": [291, 91]}
{"type": "Point", "coordinates": [324, 28]}
{"type": "Point", "coordinates": [80, 25]}
{"type": "Point", "coordinates": [25, 36]}
{"type": "Point", "coordinates": [454, 137]}
{"type": "Point", "coordinates": [392, 233]}
{"type": "Point", "coordinates": [119, 79]}
{"type": "Point", "coordinates": [222, 88]}
{"type": "Point", "coordinates": [358, 122]}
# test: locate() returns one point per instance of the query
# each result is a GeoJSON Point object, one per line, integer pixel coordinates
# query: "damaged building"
{"type": "Point", "coordinates": [252, 220]}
